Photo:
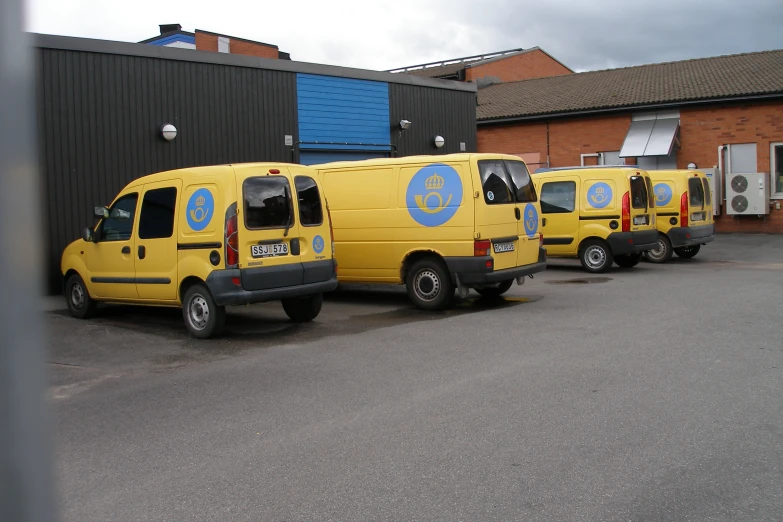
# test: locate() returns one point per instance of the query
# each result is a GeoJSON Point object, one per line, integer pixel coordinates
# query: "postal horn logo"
{"type": "Point", "coordinates": [663, 194]}
{"type": "Point", "coordinates": [599, 195]}
{"type": "Point", "coordinates": [531, 220]}
{"type": "Point", "coordinates": [434, 195]}
{"type": "Point", "coordinates": [201, 207]}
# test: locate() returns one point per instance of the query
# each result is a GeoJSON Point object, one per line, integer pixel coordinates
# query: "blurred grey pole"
{"type": "Point", "coordinates": [26, 464]}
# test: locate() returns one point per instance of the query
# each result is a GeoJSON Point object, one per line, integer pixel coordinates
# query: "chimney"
{"type": "Point", "coordinates": [168, 28]}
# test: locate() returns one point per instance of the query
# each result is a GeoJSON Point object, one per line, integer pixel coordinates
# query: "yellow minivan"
{"type": "Point", "coordinates": [435, 223]}
{"type": "Point", "coordinates": [600, 215]}
{"type": "Point", "coordinates": [204, 238]}
{"type": "Point", "coordinates": [683, 203]}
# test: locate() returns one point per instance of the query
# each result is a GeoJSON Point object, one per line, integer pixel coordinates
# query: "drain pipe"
{"type": "Point", "coordinates": [593, 155]}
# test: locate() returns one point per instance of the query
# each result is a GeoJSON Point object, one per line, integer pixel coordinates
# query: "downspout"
{"type": "Point", "coordinates": [548, 165]}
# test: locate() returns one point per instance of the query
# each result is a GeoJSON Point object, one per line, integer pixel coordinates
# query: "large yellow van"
{"type": "Point", "coordinates": [683, 203]}
{"type": "Point", "coordinates": [435, 223]}
{"type": "Point", "coordinates": [597, 214]}
{"type": "Point", "coordinates": [204, 238]}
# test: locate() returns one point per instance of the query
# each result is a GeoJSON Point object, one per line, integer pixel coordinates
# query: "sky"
{"type": "Point", "coordinates": [582, 34]}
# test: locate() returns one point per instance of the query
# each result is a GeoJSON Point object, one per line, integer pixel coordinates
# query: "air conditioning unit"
{"type": "Point", "coordinates": [747, 194]}
{"type": "Point", "coordinates": [714, 179]}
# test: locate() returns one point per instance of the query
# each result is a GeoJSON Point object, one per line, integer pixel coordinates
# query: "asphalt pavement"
{"type": "Point", "coordinates": [645, 394]}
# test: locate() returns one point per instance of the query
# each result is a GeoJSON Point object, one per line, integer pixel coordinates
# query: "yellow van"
{"type": "Point", "coordinates": [597, 214]}
{"type": "Point", "coordinates": [204, 238]}
{"type": "Point", "coordinates": [435, 223]}
{"type": "Point", "coordinates": [683, 203]}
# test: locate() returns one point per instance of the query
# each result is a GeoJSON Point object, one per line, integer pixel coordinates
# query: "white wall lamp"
{"type": "Point", "coordinates": [691, 166]}
{"type": "Point", "coordinates": [439, 141]}
{"type": "Point", "coordinates": [404, 124]}
{"type": "Point", "coordinates": [168, 131]}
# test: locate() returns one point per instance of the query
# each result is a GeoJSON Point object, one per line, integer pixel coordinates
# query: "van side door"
{"type": "Point", "coordinates": [156, 241]}
{"type": "Point", "coordinates": [559, 210]}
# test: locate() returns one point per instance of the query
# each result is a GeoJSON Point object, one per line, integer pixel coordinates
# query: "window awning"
{"type": "Point", "coordinates": [650, 137]}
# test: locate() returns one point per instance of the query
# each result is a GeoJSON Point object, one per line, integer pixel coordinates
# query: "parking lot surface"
{"type": "Point", "coordinates": [652, 393]}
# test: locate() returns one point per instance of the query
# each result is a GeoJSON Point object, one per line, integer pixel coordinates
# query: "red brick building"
{"type": "Point", "coordinates": [721, 114]}
{"type": "Point", "coordinates": [172, 35]}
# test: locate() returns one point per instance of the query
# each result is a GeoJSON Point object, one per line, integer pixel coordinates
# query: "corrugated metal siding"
{"type": "Point", "coordinates": [100, 115]}
{"type": "Point", "coordinates": [451, 114]}
{"type": "Point", "coordinates": [342, 110]}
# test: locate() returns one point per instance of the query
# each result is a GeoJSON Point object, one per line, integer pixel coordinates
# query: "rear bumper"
{"type": "Point", "coordinates": [226, 293]}
{"type": "Point", "coordinates": [473, 270]}
{"type": "Point", "coordinates": [691, 236]}
{"type": "Point", "coordinates": [623, 243]}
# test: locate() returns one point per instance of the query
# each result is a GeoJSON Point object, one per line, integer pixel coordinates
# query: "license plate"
{"type": "Point", "coordinates": [276, 249]}
{"type": "Point", "coordinates": [640, 220]}
{"type": "Point", "coordinates": [503, 247]}
{"type": "Point", "coordinates": [697, 216]}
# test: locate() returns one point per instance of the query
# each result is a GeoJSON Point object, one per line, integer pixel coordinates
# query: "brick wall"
{"type": "Point", "coordinates": [209, 42]}
{"type": "Point", "coordinates": [525, 66]}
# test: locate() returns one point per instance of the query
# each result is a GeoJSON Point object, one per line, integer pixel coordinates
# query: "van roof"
{"type": "Point", "coordinates": [205, 170]}
{"type": "Point", "coordinates": [425, 158]}
{"type": "Point", "coordinates": [590, 168]}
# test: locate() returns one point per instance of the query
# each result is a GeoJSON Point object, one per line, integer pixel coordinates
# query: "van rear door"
{"type": "Point", "coordinates": [697, 201]}
{"type": "Point", "coordinates": [268, 229]}
{"type": "Point", "coordinates": [640, 200]}
{"type": "Point", "coordinates": [497, 213]}
{"type": "Point", "coordinates": [528, 210]}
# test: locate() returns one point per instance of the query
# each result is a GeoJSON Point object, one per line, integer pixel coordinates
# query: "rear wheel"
{"type": "Point", "coordinates": [429, 284]}
{"type": "Point", "coordinates": [596, 256]}
{"type": "Point", "coordinates": [304, 309]}
{"type": "Point", "coordinates": [662, 253]}
{"type": "Point", "coordinates": [80, 304]}
{"type": "Point", "coordinates": [628, 260]}
{"type": "Point", "coordinates": [687, 252]}
{"type": "Point", "coordinates": [496, 290]}
{"type": "Point", "coordinates": [203, 318]}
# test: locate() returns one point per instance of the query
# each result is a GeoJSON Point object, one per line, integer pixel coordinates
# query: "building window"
{"type": "Point", "coordinates": [558, 197]}
{"type": "Point", "coordinates": [157, 213]}
{"type": "Point", "coordinates": [776, 168]}
{"type": "Point", "coordinates": [223, 45]}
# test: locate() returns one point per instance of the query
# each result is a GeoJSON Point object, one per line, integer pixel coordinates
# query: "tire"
{"type": "Point", "coordinates": [429, 284]}
{"type": "Point", "coordinates": [596, 256]}
{"type": "Point", "coordinates": [497, 290]}
{"type": "Point", "coordinates": [305, 309]}
{"type": "Point", "coordinates": [628, 260]}
{"type": "Point", "coordinates": [663, 253]}
{"type": "Point", "coordinates": [687, 252]}
{"type": "Point", "coordinates": [80, 304]}
{"type": "Point", "coordinates": [203, 318]}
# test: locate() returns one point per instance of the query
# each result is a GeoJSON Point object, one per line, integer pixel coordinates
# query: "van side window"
{"type": "Point", "coordinates": [495, 182]}
{"type": "Point", "coordinates": [707, 193]}
{"type": "Point", "coordinates": [523, 185]}
{"type": "Point", "coordinates": [696, 192]}
{"type": "Point", "coordinates": [267, 202]}
{"type": "Point", "coordinates": [558, 197]}
{"type": "Point", "coordinates": [310, 211]}
{"type": "Point", "coordinates": [639, 195]}
{"type": "Point", "coordinates": [120, 229]}
{"type": "Point", "coordinates": [157, 213]}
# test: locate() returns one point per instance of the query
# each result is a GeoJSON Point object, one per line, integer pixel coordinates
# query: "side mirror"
{"type": "Point", "coordinates": [122, 215]}
{"type": "Point", "coordinates": [87, 235]}
{"type": "Point", "coordinates": [101, 212]}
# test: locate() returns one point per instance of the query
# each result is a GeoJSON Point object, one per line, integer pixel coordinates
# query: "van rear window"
{"type": "Point", "coordinates": [267, 202]}
{"type": "Point", "coordinates": [639, 197]}
{"type": "Point", "coordinates": [707, 193]}
{"type": "Point", "coordinates": [521, 182]}
{"type": "Point", "coordinates": [696, 192]}
{"type": "Point", "coordinates": [506, 182]}
{"type": "Point", "coordinates": [650, 193]}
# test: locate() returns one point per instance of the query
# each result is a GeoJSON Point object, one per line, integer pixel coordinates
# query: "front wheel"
{"type": "Point", "coordinates": [496, 290]}
{"type": "Point", "coordinates": [687, 252]}
{"type": "Point", "coordinates": [662, 253]}
{"type": "Point", "coordinates": [203, 318]}
{"type": "Point", "coordinates": [303, 310]}
{"type": "Point", "coordinates": [628, 260]}
{"type": "Point", "coordinates": [429, 284]}
{"type": "Point", "coordinates": [80, 304]}
{"type": "Point", "coordinates": [596, 256]}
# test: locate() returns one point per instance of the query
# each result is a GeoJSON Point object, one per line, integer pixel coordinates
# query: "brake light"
{"type": "Point", "coordinates": [274, 171]}
{"type": "Point", "coordinates": [541, 240]}
{"type": "Point", "coordinates": [626, 212]}
{"type": "Point", "coordinates": [232, 242]}
{"type": "Point", "coordinates": [684, 209]}
{"type": "Point", "coordinates": [481, 247]}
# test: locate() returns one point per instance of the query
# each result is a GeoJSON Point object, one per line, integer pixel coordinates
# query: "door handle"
{"type": "Point", "coordinates": [126, 250]}
{"type": "Point", "coordinates": [142, 252]}
{"type": "Point", "coordinates": [543, 222]}
{"type": "Point", "coordinates": [517, 213]}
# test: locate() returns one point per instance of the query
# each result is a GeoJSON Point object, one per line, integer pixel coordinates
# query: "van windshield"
{"type": "Point", "coordinates": [639, 197]}
{"type": "Point", "coordinates": [267, 202]}
{"type": "Point", "coordinates": [696, 192]}
{"type": "Point", "coordinates": [506, 182]}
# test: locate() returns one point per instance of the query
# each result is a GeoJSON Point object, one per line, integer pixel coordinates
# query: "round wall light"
{"type": "Point", "coordinates": [168, 131]}
{"type": "Point", "coordinates": [439, 141]}
{"type": "Point", "coordinates": [691, 166]}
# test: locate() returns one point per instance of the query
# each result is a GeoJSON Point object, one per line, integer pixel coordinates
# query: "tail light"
{"type": "Point", "coordinates": [232, 242]}
{"type": "Point", "coordinates": [684, 209]}
{"type": "Point", "coordinates": [481, 248]}
{"type": "Point", "coordinates": [541, 240]}
{"type": "Point", "coordinates": [626, 212]}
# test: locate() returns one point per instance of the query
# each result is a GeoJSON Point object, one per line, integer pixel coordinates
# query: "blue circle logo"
{"type": "Point", "coordinates": [200, 208]}
{"type": "Point", "coordinates": [663, 194]}
{"type": "Point", "coordinates": [531, 220]}
{"type": "Point", "coordinates": [434, 195]}
{"type": "Point", "coordinates": [599, 195]}
{"type": "Point", "coordinates": [318, 244]}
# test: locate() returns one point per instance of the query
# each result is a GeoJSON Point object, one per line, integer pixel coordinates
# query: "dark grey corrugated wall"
{"type": "Point", "coordinates": [451, 114]}
{"type": "Point", "coordinates": [99, 116]}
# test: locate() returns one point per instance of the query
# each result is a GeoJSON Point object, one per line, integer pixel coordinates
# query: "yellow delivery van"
{"type": "Point", "coordinates": [204, 238]}
{"type": "Point", "coordinates": [599, 215]}
{"type": "Point", "coordinates": [435, 223]}
{"type": "Point", "coordinates": [683, 204]}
